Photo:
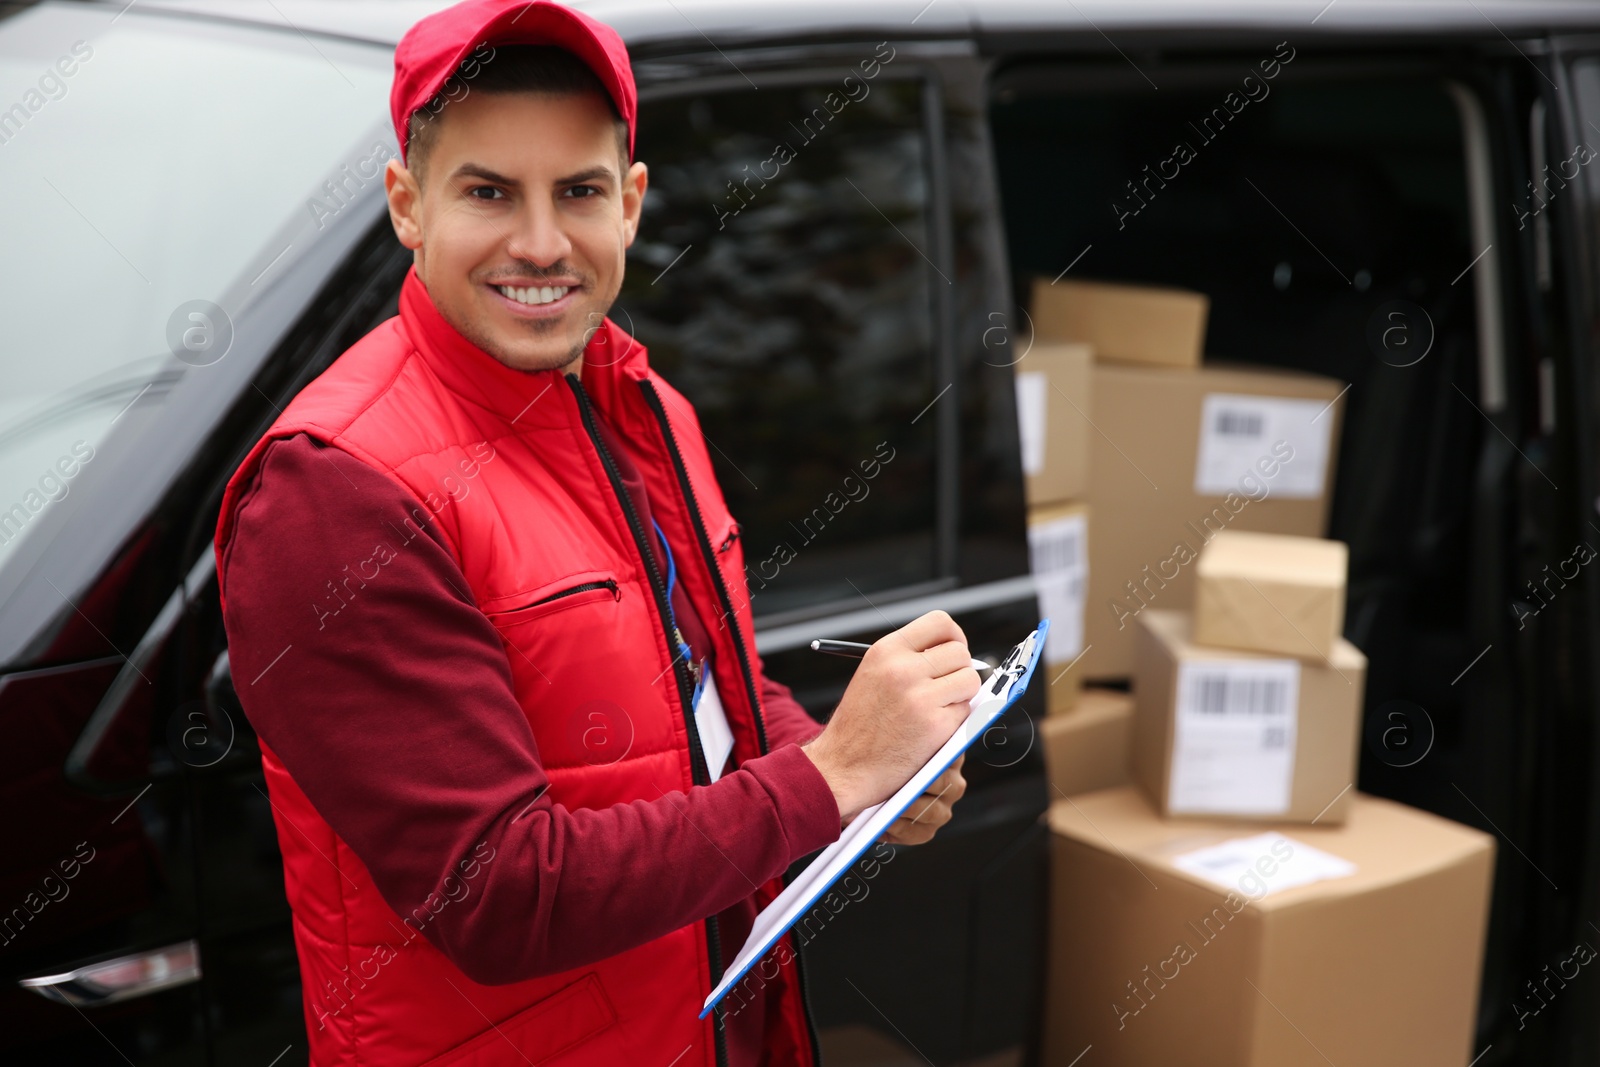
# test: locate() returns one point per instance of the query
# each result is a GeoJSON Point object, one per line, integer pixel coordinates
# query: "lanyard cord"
{"type": "Point", "coordinates": [672, 612]}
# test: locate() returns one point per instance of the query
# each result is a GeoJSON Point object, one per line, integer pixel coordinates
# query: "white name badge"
{"type": "Point", "coordinates": [716, 739]}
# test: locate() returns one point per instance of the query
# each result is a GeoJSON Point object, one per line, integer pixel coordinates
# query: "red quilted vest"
{"type": "Point", "coordinates": [417, 401]}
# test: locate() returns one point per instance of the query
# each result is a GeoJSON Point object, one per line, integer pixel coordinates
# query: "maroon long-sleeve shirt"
{"type": "Point", "coordinates": [400, 724]}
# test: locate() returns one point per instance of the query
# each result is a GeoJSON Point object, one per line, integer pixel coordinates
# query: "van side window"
{"type": "Point", "coordinates": [781, 281]}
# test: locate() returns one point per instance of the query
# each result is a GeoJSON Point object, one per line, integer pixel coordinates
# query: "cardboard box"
{"type": "Point", "coordinates": [1064, 692]}
{"type": "Point", "coordinates": [1271, 593]}
{"type": "Point", "coordinates": [857, 1045]}
{"type": "Point", "coordinates": [1231, 734]}
{"type": "Point", "coordinates": [1181, 455]}
{"type": "Point", "coordinates": [1058, 553]}
{"type": "Point", "coordinates": [1053, 402]}
{"type": "Point", "coordinates": [1153, 964]}
{"type": "Point", "coordinates": [1088, 747]}
{"type": "Point", "coordinates": [1123, 323]}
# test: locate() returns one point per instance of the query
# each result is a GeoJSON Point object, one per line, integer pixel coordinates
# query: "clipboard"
{"type": "Point", "coordinates": [1002, 688]}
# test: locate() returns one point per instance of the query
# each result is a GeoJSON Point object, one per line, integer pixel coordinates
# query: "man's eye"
{"type": "Point", "coordinates": [479, 192]}
{"type": "Point", "coordinates": [583, 192]}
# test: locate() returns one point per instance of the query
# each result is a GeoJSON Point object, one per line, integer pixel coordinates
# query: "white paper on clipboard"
{"type": "Point", "coordinates": [999, 692]}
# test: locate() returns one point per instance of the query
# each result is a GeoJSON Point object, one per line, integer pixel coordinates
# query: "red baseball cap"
{"type": "Point", "coordinates": [431, 51]}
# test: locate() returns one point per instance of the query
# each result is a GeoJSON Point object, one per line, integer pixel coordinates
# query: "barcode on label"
{"type": "Point", "coordinates": [1235, 735]}
{"type": "Point", "coordinates": [1058, 550]}
{"type": "Point", "coordinates": [1245, 437]}
{"type": "Point", "coordinates": [1232, 693]}
{"type": "Point", "coordinates": [1240, 423]}
{"type": "Point", "coordinates": [1059, 553]}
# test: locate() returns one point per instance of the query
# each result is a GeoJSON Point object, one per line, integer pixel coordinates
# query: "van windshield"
{"type": "Point", "coordinates": [151, 164]}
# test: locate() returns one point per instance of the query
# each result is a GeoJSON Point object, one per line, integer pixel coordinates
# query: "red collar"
{"type": "Point", "coordinates": [516, 395]}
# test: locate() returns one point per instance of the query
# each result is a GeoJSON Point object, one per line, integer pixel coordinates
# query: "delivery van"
{"type": "Point", "coordinates": [861, 221]}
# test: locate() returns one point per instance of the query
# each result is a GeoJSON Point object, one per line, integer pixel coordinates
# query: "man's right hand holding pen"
{"type": "Point", "coordinates": [911, 692]}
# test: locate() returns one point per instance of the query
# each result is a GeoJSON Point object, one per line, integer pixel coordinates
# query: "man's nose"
{"type": "Point", "coordinates": [538, 236]}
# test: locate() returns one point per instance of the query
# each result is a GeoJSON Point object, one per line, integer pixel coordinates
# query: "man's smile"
{"type": "Point", "coordinates": [536, 301]}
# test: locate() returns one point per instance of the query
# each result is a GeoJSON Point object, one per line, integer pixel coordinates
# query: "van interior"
{"type": "Point", "coordinates": [1308, 209]}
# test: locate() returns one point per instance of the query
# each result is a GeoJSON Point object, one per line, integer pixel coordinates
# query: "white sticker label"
{"type": "Point", "coordinates": [1032, 419]}
{"type": "Point", "coordinates": [1262, 865]}
{"type": "Point", "coordinates": [1242, 438]}
{"type": "Point", "coordinates": [711, 721]}
{"type": "Point", "coordinates": [1233, 743]}
{"type": "Point", "coordinates": [1058, 552]}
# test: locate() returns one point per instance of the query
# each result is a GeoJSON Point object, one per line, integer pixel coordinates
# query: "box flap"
{"type": "Point", "coordinates": [1174, 630]}
{"type": "Point", "coordinates": [1276, 558]}
{"type": "Point", "coordinates": [1387, 842]}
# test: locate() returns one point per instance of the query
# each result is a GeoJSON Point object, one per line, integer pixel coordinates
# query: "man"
{"type": "Point", "coordinates": [488, 619]}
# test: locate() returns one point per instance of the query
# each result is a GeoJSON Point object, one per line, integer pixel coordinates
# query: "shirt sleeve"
{"type": "Point", "coordinates": [396, 716]}
{"type": "Point", "coordinates": [787, 719]}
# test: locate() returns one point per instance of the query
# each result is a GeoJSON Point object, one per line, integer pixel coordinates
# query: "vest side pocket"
{"type": "Point", "coordinates": [547, 1028]}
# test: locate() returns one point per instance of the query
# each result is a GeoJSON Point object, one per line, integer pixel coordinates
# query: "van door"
{"type": "Point", "coordinates": [814, 274]}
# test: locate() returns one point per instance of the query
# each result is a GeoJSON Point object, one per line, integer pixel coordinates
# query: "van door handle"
{"type": "Point", "coordinates": [123, 978]}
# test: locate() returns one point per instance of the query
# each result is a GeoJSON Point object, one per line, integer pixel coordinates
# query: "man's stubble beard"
{"type": "Point", "coordinates": [483, 339]}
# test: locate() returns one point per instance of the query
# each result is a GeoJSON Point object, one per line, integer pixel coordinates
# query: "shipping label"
{"type": "Point", "coordinates": [1234, 736]}
{"type": "Point", "coordinates": [1237, 431]}
{"type": "Point", "coordinates": [1032, 419]}
{"type": "Point", "coordinates": [1058, 551]}
{"type": "Point", "coordinates": [1263, 864]}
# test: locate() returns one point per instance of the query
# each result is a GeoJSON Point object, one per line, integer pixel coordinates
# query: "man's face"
{"type": "Point", "coordinates": [525, 191]}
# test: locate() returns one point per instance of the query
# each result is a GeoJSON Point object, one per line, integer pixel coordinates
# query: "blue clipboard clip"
{"type": "Point", "coordinates": [1000, 690]}
{"type": "Point", "coordinates": [1010, 680]}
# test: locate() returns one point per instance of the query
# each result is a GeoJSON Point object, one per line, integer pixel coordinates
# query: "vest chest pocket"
{"type": "Point", "coordinates": [567, 630]}
{"type": "Point", "coordinates": [571, 592]}
{"type": "Point", "coordinates": [727, 543]}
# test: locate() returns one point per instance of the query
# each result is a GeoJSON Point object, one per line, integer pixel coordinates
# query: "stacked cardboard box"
{"type": "Point", "coordinates": [1252, 708]}
{"type": "Point", "coordinates": [1053, 401]}
{"type": "Point", "coordinates": [1058, 536]}
{"type": "Point", "coordinates": [1178, 451]}
{"type": "Point", "coordinates": [1266, 942]}
{"type": "Point", "coordinates": [1186, 455]}
{"type": "Point", "coordinates": [1140, 324]}
{"type": "Point", "coordinates": [1233, 733]}
{"type": "Point", "coordinates": [1088, 747]}
{"type": "Point", "coordinates": [1272, 593]}
{"type": "Point", "coordinates": [1199, 944]}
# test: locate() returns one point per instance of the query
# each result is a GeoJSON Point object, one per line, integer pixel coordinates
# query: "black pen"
{"type": "Point", "coordinates": [855, 650]}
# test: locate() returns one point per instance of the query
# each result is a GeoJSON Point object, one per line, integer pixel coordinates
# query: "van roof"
{"type": "Point", "coordinates": [649, 24]}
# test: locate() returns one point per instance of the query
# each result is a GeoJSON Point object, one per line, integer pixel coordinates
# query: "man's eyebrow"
{"type": "Point", "coordinates": [588, 175]}
{"type": "Point", "coordinates": [476, 170]}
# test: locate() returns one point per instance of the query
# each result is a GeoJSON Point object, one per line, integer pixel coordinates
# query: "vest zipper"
{"type": "Point", "coordinates": [654, 400]}
{"type": "Point", "coordinates": [616, 593]}
{"type": "Point", "coordinates": [704, 539]}
{"type": "Point", "coordinates": [805, 1000]}
{"type": "Point", "coordinates": [680, 672]}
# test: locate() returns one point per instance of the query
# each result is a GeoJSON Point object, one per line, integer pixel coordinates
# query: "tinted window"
{"type": "Point", "coordinates": [780, 280]}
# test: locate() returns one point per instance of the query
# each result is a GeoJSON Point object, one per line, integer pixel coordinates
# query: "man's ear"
{"type": "Point", "coordinates": [405, 204]}
{"type": "Point", "coordinates": [634, 184]}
